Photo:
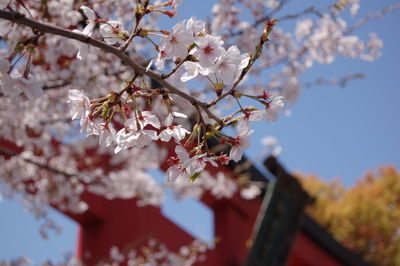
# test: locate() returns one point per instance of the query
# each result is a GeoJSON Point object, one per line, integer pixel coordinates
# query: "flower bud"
{"type": "Point", "coordinates": [143, 33]}
{"type": "Point", "coordinates": [269, 25]}
{"type": "Point", "coordinates": [237, 94]}
{"type": "Point", "coordinates": [218, 87]}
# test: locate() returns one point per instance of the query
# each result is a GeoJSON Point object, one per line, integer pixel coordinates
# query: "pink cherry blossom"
{"type": "Point", "coordinates": [195, 26]}
{"type": "Point", "coordinates": [197, 163]}
{"type": "Point", "coordinates": [178, 132]}
{"type": "Point", "coordinates": [79, 103]}
{"type": "Point", "coordinates": [107, 135]}
{"type": "Point", "coordinates": [88, 31]}
{"type": "Point", "coordinates": [143, 119]}
{"type": "Point", "coordinates": [176, 170]}
{"type": "Point", "coordinates": [239, 144]}
{"type": "Point", "coordinates": [230, 64]}
{"type": "Point", "coordinates": [127, 138]}
{"type": "Point", "coordinates": [113, 33]}
{"type": "Point", "coordinates": [275, 106]}
{"type": "Point", "coordinates": [88, 125]}
{"type": "Point", "coordinates": [177, 41]}
{"type": "Point", "coordinates": [209, 49]}
{"type": "Point", "coordinates": [91, 16]}
{"type": "Point", "coordinates": [249, 116]}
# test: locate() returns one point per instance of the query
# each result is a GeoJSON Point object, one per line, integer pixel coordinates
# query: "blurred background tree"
{"type": "Point", "coordinates": [365, 217]}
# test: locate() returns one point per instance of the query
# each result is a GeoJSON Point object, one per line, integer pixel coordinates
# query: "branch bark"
{"type": "Point", "coordinates": [372, 16]}
{"type": "Point", "coordinates": [45, 28]}
{"type": "Point", "coordinates": [46, 167]}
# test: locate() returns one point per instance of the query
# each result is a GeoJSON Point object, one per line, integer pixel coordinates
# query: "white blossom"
{"type": "Point", "coordinates": [195, 27]}
{"type": "Point", "coordinates": [127, 138]}
{"type": "Point", "coordinates": [240, 143]}
{"type": "Point", "coordinates": [176, 170]}
{"type": "Point", "coordinates": [250, 192]}
{"type": "Point", "coordinates": [88, 125]}
{"type": "Point", "coordinates": [143, 119]}
{"type": "Point", "coordinates": [107, 135]}
{"type": "Point", "coordinates": [91, 22]}
{"type": "Point", "coordinates": [275, 106]}
{"type": "Point", "coordinates": [83, 48]}
{"type": "Point", "coordinates": [79, 103]}
{"type": "Point", "coordinates": [178, 132]}
{"type": "Point", "coordinates": [230, 64]}
{"type": "Point", "coordinates": [209, 49]}
{"type": "Point", "coordinates": [177, 41]}
{"type": "Point", "coordinates": [113, 33]}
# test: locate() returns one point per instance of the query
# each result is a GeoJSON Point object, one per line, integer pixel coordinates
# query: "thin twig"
{"type": "Point", "coordinates": [131, 36]}
{"type": "Point", "coordinates": [46, 167]}
{"type": "Point", "coordinates": [20, 19]}
{"type": "Point", "coordinates": [136, 29]}
{"type": "Point", "coordinates": [204, 126]}
{"type": "Point", "coordinates": [342, 82]}
{"type": "Point", "coordinates": [372, 16]}
{"type": "Point", "coordinates": [175, 69]}
{"type": "Point", "coordinates": [253, 59]}
{"type": "Point", "coordinates": [49, 87]}
{"type": "Point", "coordinates": [272, 13]}
{"type": "Point", "coordinates": [308, 10]}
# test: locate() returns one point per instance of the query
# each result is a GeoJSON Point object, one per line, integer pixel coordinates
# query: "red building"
{"type": "Point", "coordinates": [283, 233]}
{"type": "Point", "coordinates": [271, 229]}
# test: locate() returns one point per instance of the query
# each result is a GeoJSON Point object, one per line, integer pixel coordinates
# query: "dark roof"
{"type": "Point", "coordinates": [325, 240]}
{"type": "Point", "coordinates": [307, 225]}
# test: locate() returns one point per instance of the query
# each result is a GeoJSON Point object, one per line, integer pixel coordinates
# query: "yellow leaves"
{"type": "Point", "coordinates": [365, 217]}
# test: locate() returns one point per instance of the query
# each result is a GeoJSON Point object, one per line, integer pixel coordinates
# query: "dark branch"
{"type": "Point", "coordinates": [41, 27]}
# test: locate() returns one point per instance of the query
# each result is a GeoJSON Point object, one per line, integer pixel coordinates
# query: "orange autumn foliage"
{"type": "Point", "coordinates": [365, 217]}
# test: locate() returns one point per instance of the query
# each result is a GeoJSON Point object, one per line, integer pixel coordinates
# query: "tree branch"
{"type": "Point", "coordinates": [373, 16]}
{"type": "Point", "coordinates": [21, 19]}
{"type": "Point", "coordinates": [46, 167]}
{"type": "Point", "coordinates": [342, 82]}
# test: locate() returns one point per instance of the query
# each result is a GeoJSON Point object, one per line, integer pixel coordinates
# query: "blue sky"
{"type": "Point", "coordinates": [333, 132]}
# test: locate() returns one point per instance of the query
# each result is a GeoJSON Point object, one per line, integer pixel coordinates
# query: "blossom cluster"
{"type": "Point", "coordinates": [201, 53]}
{"type": "Point", "coordinates": [201, 78]}
{"type": "Point", "coordinates": [188, 45]}
{"type": "Point", "coordinates": [157, 253]}
{"type": "Point", "coordinates": [151, 252]}
{"type": "Point", "coordinates": [16, 83]}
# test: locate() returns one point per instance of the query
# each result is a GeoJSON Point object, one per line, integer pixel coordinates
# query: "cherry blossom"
{"type": "Point", "coordinates": [177, 41]}
{"type": "Point", "coordinates": [107, 135]}
{"type": "Point", "coordinates": [119, 103]}
{"type": "Point", "coordinates": [113, 33]}
{"type": "Point", "coordinates": [143, 119]}
{"type": "Point", "coordinates": [127, 138]}
{"type": "Point", "coordinates": [160, 60]}
{"type": "Point", "coordinates": [196, 27]}
{"type": "Point", "coordinates": [225, 14]}
{"type": "Point", "coordinates": [177, 170]}
{"type": "Point", "coordinates": [275, 106]}
{"type": "Point", "coordinates": [240, 143]}
{"type": "Point", "coordinates": [271, 144]}
{"type": "Point", "coordinates": [251, 192]}
{"type": "Point", "coordinates": [209, 49]}
{"type": "Point", "coordinates": [230, 64]}
{"type": "Point", "coordinates": [197, 163]}
{"type": "Point", "coordinates": [91, 20]}
{"type": "Point", "coordinates": [88, 125]}
{"type": "Point", "coordinates": [194, 69]}
{"type": "Point", "coordinates": [15, 83]}
{"type": "Point", "coordinates": [88, 31]}
{"type": "Point", "coordinates": [250, 116]}
{"type": "Point", "coordinates": [79, 103]}
{"type": "Point", "coordinates": [178, 132]}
